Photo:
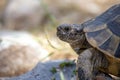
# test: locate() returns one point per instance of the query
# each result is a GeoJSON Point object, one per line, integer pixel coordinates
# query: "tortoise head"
{"type": "Point", "coordinates": [73, 34]}
{"type": "Point", "coordinates": [70, 32]}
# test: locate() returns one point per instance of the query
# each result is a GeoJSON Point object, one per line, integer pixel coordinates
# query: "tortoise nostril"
{"type": "Point", "coordinates": [58, 28]}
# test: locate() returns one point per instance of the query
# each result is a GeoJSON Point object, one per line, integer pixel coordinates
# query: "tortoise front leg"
{"type": "Point", "coordinates": [88, 65]}
{"type": "Point", "coordinates": [84, 66]}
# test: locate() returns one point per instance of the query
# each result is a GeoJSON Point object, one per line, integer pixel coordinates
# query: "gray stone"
{"type": "Point", "coordinates": [42, 72]}
{"type": "Point", "coordinates": [19, 53]}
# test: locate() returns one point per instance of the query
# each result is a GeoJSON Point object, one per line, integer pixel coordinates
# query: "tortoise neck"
{"type": "Point", "coordinates": [80, 45]}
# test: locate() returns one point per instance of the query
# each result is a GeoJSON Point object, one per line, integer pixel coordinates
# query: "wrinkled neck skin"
{"type": "Point", "coordinates": [80, 45]}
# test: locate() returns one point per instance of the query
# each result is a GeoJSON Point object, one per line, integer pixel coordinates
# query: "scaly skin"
{"type": "Point", "coordinates": [90, 60]}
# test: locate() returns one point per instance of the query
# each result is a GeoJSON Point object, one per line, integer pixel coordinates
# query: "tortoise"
{"type": "Point", "coordinates": [97, 42]}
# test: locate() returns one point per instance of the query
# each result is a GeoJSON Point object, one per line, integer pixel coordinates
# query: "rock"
{"type": "Point", "coordinates": [19, 53]}
{"type": "Point", "coordinates": [43, 72]}
{"type": "Point", "coordinates": [23, 14]}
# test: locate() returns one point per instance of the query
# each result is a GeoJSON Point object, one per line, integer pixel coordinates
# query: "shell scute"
{"type": "Point", "coordinates": [103, 32]}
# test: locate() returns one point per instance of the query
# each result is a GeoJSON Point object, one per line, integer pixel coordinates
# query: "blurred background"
{"type": "Point", "coordinates": [28, 30]}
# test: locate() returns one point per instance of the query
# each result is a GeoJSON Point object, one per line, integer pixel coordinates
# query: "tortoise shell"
{"type": "Point", "coordinates": [103, 32]}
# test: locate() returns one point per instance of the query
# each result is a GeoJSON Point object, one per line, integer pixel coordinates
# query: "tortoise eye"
{"type": "Point", "coordinates": [79, 31]}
